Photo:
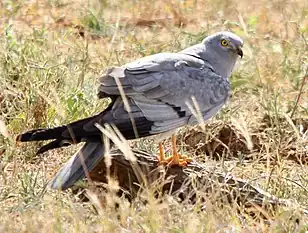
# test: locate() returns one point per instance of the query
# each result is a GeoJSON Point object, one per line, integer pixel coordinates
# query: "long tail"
{"type": "Point", "coordinates": [83, 161]}
{"type": "Point", "coordinates": [85, 131]}
{"type": "Point", "coordinates": [63, 135]}
{"type": "Point", "coordinates": [86, 158]}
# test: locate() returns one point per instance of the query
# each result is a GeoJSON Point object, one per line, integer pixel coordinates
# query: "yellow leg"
{"type": "Point", "coordinates": [162, 156]}
{"type": "Point", "coordinates": [174, 160]}
{"type": "Point", "coordinates": [175, 155]}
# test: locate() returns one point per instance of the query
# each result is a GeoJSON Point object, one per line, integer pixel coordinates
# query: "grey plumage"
{"type": "Point", "coordinates": [159, 89]}
{"type": "Point", "coordinates": [86, 158]}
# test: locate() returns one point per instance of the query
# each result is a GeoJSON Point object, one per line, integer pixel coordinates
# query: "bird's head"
{"type": "Point", "coordinates": [222, 50]}
{"type": "Point", "coordinates": [225, 44]}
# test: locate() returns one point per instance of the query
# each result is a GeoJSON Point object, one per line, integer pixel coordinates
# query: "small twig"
{"type": "Point", "coordinates": [300, 93]}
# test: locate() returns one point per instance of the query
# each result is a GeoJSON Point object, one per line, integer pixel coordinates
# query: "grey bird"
{"type": "Point", "coordinates": [159, 90]}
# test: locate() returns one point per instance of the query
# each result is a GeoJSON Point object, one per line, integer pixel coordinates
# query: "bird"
{"type": "Point", "coordinates": [160, 90]}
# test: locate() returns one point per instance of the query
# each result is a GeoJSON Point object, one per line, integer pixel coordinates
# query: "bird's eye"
{"type": "Point", "coordinates": [224, 42]}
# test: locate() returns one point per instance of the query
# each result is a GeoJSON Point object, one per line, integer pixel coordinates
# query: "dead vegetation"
{"type": "Point", "coordinates": [194, 183]}
{"type": "Point", "coordinates": [223, 140]}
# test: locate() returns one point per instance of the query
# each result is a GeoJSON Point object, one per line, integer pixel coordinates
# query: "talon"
{"type": "Point", "coordinates": [174, 160]}
{"type": "Point", "coordinates": [186, 158]}
{"type": "Point", "coordinates": [179, 160]}
{"type": "Point", "coordinates": [181, 163]}
{"type": "Point", "coordinates": [170, 161]}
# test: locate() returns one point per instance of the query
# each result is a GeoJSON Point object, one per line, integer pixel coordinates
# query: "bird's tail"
{"type": "Point", "coordinates": [57, 132]}
{"type": "Point", "coordinates": [64, 135]}
{"type": "Point", "coordinates": [76, 168]}
{"type": "Point", "coordinates": [41, 134]}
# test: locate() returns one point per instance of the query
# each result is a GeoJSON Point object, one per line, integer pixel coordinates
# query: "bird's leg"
{"type": "Point", "coordinates": [161, 157]}
{"type": "Point", "coordinates": [177, 159]}
{"type": "Point", "coordinates": [175, 155]}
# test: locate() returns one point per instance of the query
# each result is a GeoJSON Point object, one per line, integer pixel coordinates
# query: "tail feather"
{"type": "Point", "coordinates": [91, 153]}
{"type": "Point", "coordinates": [62, 132]}
{"type": "Point", "coordinates": [41, 134]}
{"type": "Point", "coordinates": [85, 131]}
{"type": "Point", "coordinates": [53, 145]}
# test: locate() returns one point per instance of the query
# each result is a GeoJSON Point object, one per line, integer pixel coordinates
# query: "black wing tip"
{"type": "Point", "coordinates": [54, 145]}
{"type": "Point", "coordinates": [29, 135]}
{"type": "Point", "coordinates": [42, 150]}
{"type": "Point", "coordinates": [18, 138]}
{"type": "Point", "coordinates": [24, 137]}
{"type": "Point", "coordinates": [37, 135]}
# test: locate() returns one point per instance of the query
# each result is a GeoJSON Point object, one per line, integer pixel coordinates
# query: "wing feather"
{"type": "Point", "coordinates": [161, 86]}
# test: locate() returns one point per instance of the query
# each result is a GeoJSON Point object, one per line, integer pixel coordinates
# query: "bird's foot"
{"type": "Point", "coordinates": [175, 160]}
{"type": "Point", "coordinates": [178, 160]}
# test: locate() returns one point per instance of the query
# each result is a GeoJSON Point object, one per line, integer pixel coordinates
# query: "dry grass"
{"type": "Point", "coordinates": [52, 51]}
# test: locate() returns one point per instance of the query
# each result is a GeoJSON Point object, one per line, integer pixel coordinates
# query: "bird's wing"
{"type": "Point", "coordinates": [158, 90]}
{"type": "Point", "coordinates": [161, 86]}
{"type": "Point", "coordinates": [83, 160]}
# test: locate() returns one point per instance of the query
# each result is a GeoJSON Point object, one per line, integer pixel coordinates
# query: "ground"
{"type": "Point", "coordinates": [51, 53]}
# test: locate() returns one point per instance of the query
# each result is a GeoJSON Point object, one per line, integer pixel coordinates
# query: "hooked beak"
{"type": "Point", "coordinates": [239, 51]}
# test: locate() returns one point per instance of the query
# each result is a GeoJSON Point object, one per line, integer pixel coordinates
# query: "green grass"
{"type": "Point", "coordinates": [51, 53]}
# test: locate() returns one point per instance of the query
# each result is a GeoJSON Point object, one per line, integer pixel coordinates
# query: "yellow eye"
{"type": "Point", "coordinates": [224, 42]}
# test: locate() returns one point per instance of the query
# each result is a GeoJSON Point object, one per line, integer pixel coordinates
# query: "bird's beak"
{"type": "Point", "coordinates": [239, 51]}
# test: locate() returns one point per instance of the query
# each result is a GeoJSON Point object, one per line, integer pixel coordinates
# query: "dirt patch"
{"type": "Point", "coordinates": [224, 140]}
{"type": "Point", "coordinates": [219, 140]}
{"type": "Point", "coordinates": [293, 136]}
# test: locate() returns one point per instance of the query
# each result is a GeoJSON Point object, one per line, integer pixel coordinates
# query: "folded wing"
{"type": "Point", "coordinates": [163, 85]}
